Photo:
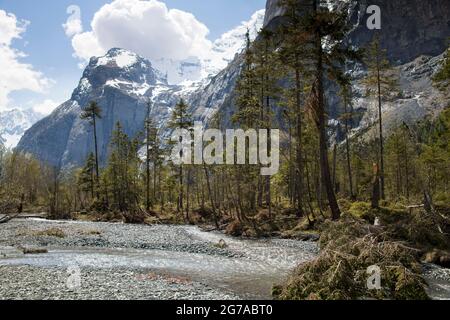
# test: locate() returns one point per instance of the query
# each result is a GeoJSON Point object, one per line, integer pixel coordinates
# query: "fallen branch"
{"type": "Point", "coordinates": [7, 218]}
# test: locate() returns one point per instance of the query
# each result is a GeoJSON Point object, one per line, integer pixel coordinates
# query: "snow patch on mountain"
{"type": "Point", "coordinates": [122, 58]}
{"type": "Point", "coordinates": [223, 51]}
{"type": "Point", "coordinates": [233, 42]}
{"type": "Point", "coordinates": [14, 123]}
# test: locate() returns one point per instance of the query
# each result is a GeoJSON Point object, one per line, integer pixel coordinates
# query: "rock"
{"type": "Point", "coordinates": [438, 257]}
{"type": "Point", "coordinates": [444, 261]}
{"type": "Point", "coordinates": [222, 244]}
{"type": "Point", "coordinates": [33, 250]}
{"type": "Point", "coordinates": [410, 28]}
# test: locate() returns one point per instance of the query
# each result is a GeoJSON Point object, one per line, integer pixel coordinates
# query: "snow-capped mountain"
{"type": "Point", "coordinates": [222, 52]}
{"type": "Point", "coordinates": [14, 123]}
{"type": "Point", "coordinates": [122, 83]}
{"type": "Point", "coordinates": [162, 81]}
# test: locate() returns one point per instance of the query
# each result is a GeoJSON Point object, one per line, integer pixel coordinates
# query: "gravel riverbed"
{"type": "Point", "coordinates": [118, 261]}
{"type": "Point", "coordinates": [98, 261]}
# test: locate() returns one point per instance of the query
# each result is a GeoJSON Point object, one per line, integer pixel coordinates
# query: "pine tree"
{"type": "Point", "coordinates": [248, 106]}
{"type": "Point", "coordinates": [92, 113]}
{"type": "Point", "coordinates": [152, 155]}
{"type": "Point", "coordinates": [347, 116]}
{"type": "Point", "coordinates": [87, 175]}
{"type": "Point", "coordinates": [181, 119]}
{"type": "Point", "coordinates": [123, 171]}
{"type": "Point", "coordinates": [442, 77]}
{"type": "Point", "coordinates": [267, 71]}
{"type": "Point", "coordinates": [292, 55]}
{"type": "Point", "coordinates": [382, 84]}
{"type": "Point", "coordinates": [328, 54]}
{"type": "Point", "coordinates": [153, 159]}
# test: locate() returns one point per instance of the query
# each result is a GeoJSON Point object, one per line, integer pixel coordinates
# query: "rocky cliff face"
{"type": "Point", "coordinates": [409, 28]}
{"type": "Point", "coordinates": [415, 33]}
{"type": "Point", "coordinates": [419, 98]}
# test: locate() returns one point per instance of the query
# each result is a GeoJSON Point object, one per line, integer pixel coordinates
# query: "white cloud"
{"type": "Point", "coordinates": [72, 27]}
{"type": "Point", "coordinates": [173, 40]}
{"type": "Point", "coordinates": [16, 75]}
{"type": "Point", "coordinates": [148, 28]}
{"type": "Point", "coordinates": [10, 28]}
{"type": "Point", "coordinates": [87, 46]}
{"type": "Point", "coordinates": [45, 107]}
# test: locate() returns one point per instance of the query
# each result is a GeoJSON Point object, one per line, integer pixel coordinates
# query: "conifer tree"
{"type": "Point", "coordinates": [91, 113]}
{"type": "Point", "coordinates": [123, 171]}
{"type": "Point", "coordinates": [153, 156]}
{"type": "Point", "coordinates": [181, 119]}
{"type": "Point", "coordinates": [328, 54]}
{"type": "Point", "coordinates": [248, 106]}
{"type": "Point", "coordinates": [267, 72]}
{"type": "Point", "coordinates": [347, 116]}
{"type": "Point", "coordinates": [292, 55]}
{"type": "Point", "coordinates": [87, 175]}
{"type": "Point", "coordinates": [381, 83]}
{"type": "Point", "coordinates": [442, 77]}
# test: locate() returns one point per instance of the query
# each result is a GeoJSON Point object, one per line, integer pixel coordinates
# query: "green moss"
{"type": "Point", "coordinates": [360, 210]}
{"type": "Point", "coordinates": [442, 199]}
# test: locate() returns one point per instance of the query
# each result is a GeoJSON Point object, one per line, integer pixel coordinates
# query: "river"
{"type": "Point", "coordinates": [118, 261]}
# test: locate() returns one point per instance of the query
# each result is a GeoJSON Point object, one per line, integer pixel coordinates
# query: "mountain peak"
{"type": "Point", "coordinates": [120, 69]}
{"type": "Point", "coordinates": [121, 58]}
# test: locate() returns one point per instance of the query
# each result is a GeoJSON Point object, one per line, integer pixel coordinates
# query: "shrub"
{"type": "Point", "coordinates": [52, 232]}
{"type": "Point", "coordinates": [349, 247]}
{"type": "Point", "coordinates": [234, 229]}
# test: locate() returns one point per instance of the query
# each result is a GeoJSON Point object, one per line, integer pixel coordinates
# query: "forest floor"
{"type": "Point", "coordinates": [122, 261]}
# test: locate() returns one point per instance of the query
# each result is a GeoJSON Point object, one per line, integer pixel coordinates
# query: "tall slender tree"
{"type": "Point", "coordinates": [329, 53]}
{"type": "Point", "coordinates": [91, 113]}
{"type": "Point", "coordinates": [292, 55]}
{"type": "Point", "coordinates": [381, 83]}
{"type": "Point", "coordinates": [347, 116]}
{"type": "Point", "coordinates": [181, 119]}
{"type": "Point", "coordinates": [267, 69]}
{"type": "Point", "coordinates": [148, 126]}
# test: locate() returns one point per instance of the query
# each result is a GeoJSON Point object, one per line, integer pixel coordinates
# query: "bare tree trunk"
{"type": "Point", "coordinates": [376, 187]}
{"type": "Point", "coordinates": [380, 122]}
{"type": "Point", "coordinates": [323, 141]}
{"type": "Point", "coordinates": [213, 205]}
{"type": "Point", "coordinates": [299, 184]}
{"type": "Point", "coordinates": [335, 183]}
{"type": "Point", "coordinates": [188, 189]}
{"type": "Point", "coordinates": [347, 146]}
{"type": "Point", "coordinates": [97, 172]}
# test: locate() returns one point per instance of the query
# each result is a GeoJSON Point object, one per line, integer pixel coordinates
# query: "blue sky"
{"type": "Point", "coordinates": [49, 50]}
